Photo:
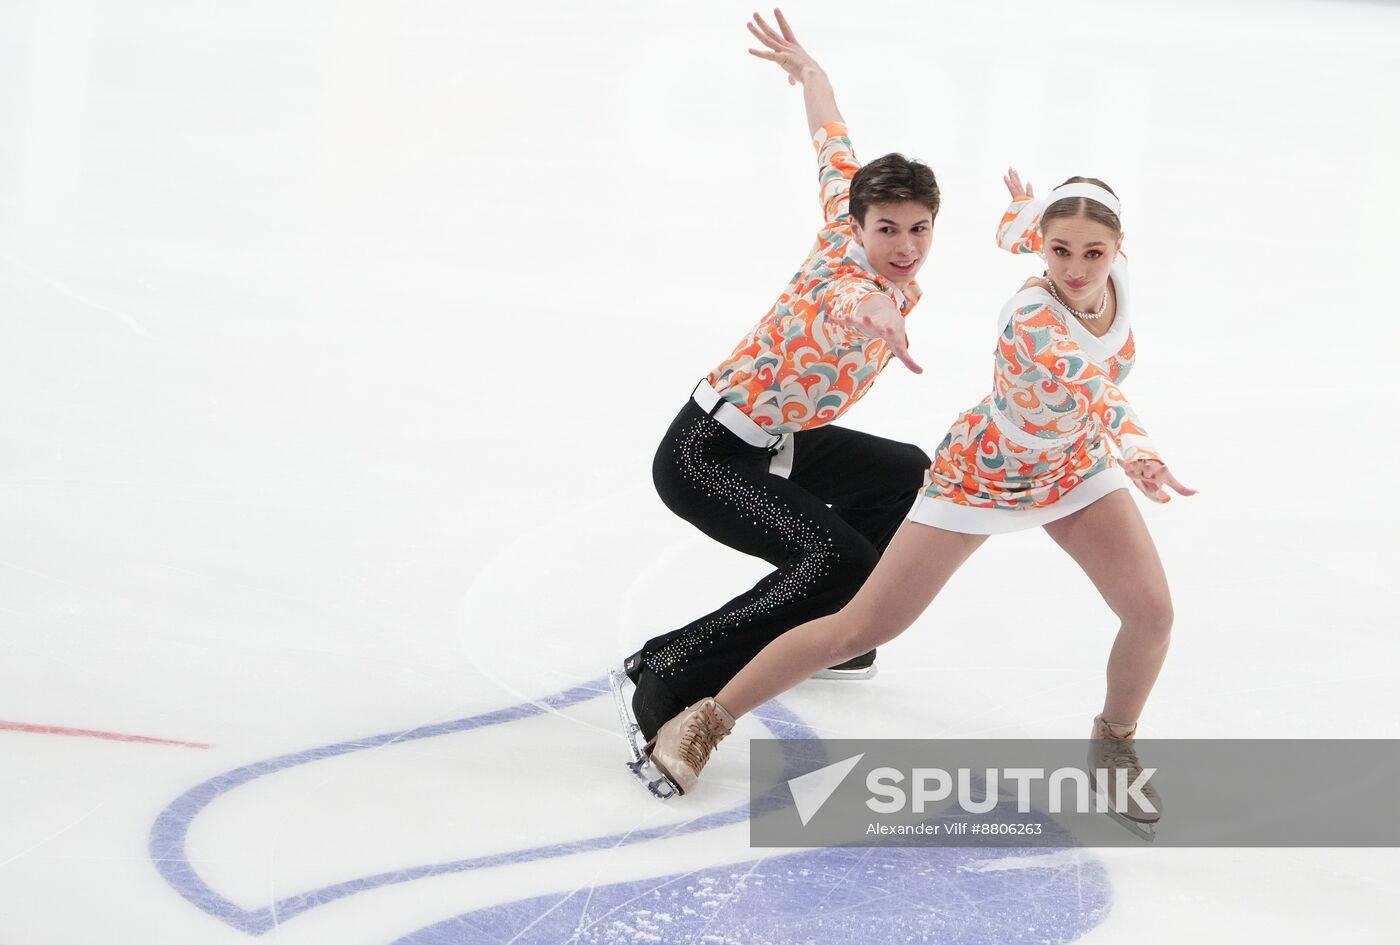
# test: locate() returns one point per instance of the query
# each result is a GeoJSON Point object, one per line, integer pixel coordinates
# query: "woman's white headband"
{"type": "Point", "coordinates": [1092, 191]}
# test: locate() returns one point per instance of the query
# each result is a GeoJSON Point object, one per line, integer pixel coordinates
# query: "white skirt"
{"type": "Point", "coordinates": [970, 520]}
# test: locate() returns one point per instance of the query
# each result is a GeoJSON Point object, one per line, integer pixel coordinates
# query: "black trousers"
{"type": "Point", "coordinates": [822, 529]}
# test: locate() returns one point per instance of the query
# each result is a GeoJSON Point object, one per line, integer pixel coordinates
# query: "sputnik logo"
{"type": "Point", "coordinates": [813, 789]}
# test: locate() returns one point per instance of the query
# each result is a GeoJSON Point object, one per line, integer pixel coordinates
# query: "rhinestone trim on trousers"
{"type": "Point", "coordinates": [822, 529]}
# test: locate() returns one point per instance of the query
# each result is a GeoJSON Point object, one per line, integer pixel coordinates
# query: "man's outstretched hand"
{"type": "Point", "coordinates": [878, 317]}
{"type": "Point", "coordinates": [783, 48]}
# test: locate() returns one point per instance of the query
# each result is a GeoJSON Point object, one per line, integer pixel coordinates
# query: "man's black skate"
{"type": "Point", "coordinates": [859, 667]}
{"type": "Point", "coordinates": [649, 697]}
{"type": "Point", "coordinates": [653, 703]}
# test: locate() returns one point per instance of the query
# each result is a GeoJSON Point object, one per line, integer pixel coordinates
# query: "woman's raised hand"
{"type": "Point", "coordinates": [1152, 477]}
{"type": "Point", "coordinates": [1012, 180]}
{"type": "Point", "coordinates": [783, 47]}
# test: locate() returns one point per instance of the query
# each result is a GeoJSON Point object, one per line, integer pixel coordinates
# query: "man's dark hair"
{"type": "Point", "coordinates": [891, 179]}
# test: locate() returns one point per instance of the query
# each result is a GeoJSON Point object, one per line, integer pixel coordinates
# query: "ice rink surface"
{"type": "Point", "coordinates": [337, 339]}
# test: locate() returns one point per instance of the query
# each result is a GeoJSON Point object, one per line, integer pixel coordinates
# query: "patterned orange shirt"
{"type": "Point", "coordinates": [806, 362]}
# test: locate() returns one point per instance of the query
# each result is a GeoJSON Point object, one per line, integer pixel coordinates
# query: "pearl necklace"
{"type": "Point", "coordinates": [1087, 316]}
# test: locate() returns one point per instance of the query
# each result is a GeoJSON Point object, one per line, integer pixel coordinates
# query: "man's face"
{"type": "Point", "coordinates": [896, 238]}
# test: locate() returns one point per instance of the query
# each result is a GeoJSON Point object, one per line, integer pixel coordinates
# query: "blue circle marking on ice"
{"type": "Point", "coordinates": [171, 829]}
{"type": "Point", "coordinates": [835, 896]}
{"type": "Point", "coordinates": [839, 895]}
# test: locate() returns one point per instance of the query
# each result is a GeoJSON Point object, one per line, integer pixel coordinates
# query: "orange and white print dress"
{"type": "Point", "coordinates": [1038, 447]}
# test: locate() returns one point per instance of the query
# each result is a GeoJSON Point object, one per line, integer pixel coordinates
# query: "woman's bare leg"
{"type": "Point", "coordinates": [1109, 540]}
{"type": "Point", "coordinates": [911, 572]}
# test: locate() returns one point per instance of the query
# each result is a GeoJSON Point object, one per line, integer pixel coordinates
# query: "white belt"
{"type": "Point", "coordinates": [742, 425]}
{"type": "Point", "coordinates": [1009, 429]}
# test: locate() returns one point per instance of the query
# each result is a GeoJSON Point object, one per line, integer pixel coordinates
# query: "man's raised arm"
{"type": "Point", "coordinates": [783, 48]}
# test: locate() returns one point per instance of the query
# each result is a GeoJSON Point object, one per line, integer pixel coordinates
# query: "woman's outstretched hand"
{"type": "Point", "coordinates": [783, 47]}
{"type": "Point", "coordinates": [1152, 477]}
{"type": "Point", "coordinates": [1012, 180]}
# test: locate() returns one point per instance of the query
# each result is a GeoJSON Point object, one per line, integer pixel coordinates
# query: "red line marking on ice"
{"type": "Point", "coordinates": [89, 733]}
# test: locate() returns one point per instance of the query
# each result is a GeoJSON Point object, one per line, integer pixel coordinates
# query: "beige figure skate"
{"type": "Point", "coordinates": [1113, 754]}
{"type": "Point", "coordinates": [683, 745]}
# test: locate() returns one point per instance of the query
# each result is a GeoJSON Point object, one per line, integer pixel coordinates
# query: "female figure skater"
{"type": "Point", "coordinates": [1035, 452]}
{"type": "Point", "coordinates": [753, 459]}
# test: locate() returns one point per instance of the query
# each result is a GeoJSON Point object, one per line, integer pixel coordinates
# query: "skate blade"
{"type": "Point", "coordinates": [631, 731]}
{"type": "Point", "coordinates": [867, 673]}
{"type": "Point", "coordinates": [1142, 830]}
{"type": "Point", "coordinates": [657, 783]}
{"type": "Point", "coordinates": [641, 766]}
